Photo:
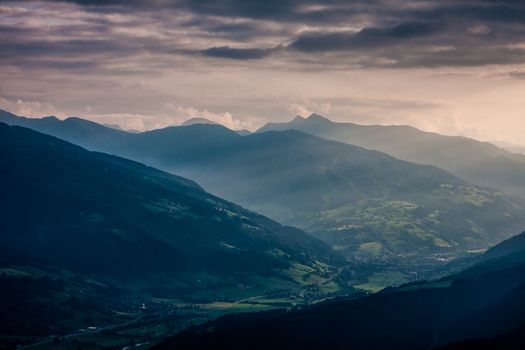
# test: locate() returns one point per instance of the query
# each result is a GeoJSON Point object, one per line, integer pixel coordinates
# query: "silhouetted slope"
{"type": "Point", "coordinates": [512, 340]}
{"type": "Point", "coordinates": [478, 162]}
{"type": "Point", "coordinates": [416, 316]}
{"type": "Point", "coordinates": [510, 252]}
{"type": "Point", "coordinates": [79, 131]}
{"type": "Point", "coordinates": [94, 213]}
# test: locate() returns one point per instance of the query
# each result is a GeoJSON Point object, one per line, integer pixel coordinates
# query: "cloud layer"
{"type": "Point", "coordinates": [261, 59]}
{"type": "Point", "coordinates": [83, 35]}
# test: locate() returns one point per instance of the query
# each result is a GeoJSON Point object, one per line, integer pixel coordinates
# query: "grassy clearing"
{"type": "Point", "coordinates": [371, 248]}
{"type": "Point", "coordinates": [329, 287]}
{"type": "Point", "coordinates": [477, 251]}
{"type": "Point", "coordinates": [12, 272]}
{"type": "Point", "coordinates": [378, 281]}
{"type": "Point", "coordinates": [441, 243]}
{"type": "Point", "coordinates": [224, 307]}
{"type": "Point", "coordinates": [465, 194]}
{"type": "Point", "coordinates": [299, 273]}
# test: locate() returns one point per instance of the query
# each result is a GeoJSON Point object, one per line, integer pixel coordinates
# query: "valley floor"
{"type": "Point", "coordinates": [144, 320]}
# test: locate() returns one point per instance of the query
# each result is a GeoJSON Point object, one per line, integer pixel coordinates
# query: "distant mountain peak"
{"type": "Point", "coordinates": [314, 117]}
{"type": "Point", "coordinates": [298, 118]}
{"type": "Point", "coordinates": [51, 117]}
{"type": "Point", "coordinates": [317, 118]}
{"type": "Point", "coordinates": [192, 121]}
{"type": "Point", "coordinates": [76, 119]}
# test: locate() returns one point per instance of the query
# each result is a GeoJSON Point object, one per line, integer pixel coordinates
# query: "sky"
{"type": "Point", "coordinates": [450, 66]}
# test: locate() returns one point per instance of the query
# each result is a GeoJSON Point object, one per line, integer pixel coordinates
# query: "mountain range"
{"type": "Point", "coordinates": [362, 202]}
{"type": "Point", "coordinates": [478, 162]}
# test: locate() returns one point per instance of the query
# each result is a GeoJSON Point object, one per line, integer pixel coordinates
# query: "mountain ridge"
{"type": "Point", "coordinates": [478, 162]}
{"type": "Point", "coordinates": [181, 203]}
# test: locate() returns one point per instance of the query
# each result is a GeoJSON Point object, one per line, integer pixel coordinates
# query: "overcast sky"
{"type": "Point", "coordinates": [455, 67]}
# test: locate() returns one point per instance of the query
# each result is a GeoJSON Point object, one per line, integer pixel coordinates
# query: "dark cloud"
{"type": "Point", "coordinates": [365, 38]}
{"type": "Point", "coordinates": [492, 11]}
{"type": "Point", "coordinates": [229, 8]}
{"type": "Point", "coordinates": [252, 9]}
{"type": "Point", "coordinates": [235, 30]}
{"type": "Point", "coordinates": [296, 11]}
{"type": "Point", "coordinates": [393, 34]}
{"type": "Point", "coordinates": [306, 11]}
{"type": "Point", "coordinates": [237, 54]}
{"type": "Point", "coordinates": [312, 10]}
